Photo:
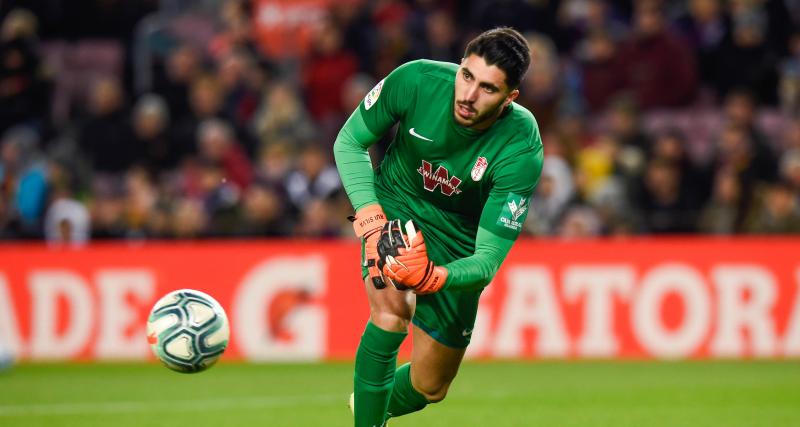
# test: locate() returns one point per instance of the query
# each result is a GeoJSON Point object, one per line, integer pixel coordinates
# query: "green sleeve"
{"type": "Point", "coordinates": [353, 162]}
{"type": "Point", "coordinates": [476, 271]}
{"type": "Point", "coordinates": [383, 106]}
{"type": "Point", "coordinates": [501, 220]}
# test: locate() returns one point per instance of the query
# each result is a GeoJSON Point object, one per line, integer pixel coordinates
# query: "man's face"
{"type": "Point", "coordinates": [481, 93]}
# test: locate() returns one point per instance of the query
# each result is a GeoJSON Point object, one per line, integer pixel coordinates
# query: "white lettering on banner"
{"type": "Point", "coordinates": [46, 286]}
{"type": "Point", "coordinates": [117, 315]}
{"type": "Point", "coordinates": [598, 285]}
{"type": "Point", "coordinates": [9, 327]}
{"type": "Point", "coordinates": [531, 303]}
{"type": "Point", "coordinates": [791, 341]}
{"type": "Point", "coordinates": [306, 322]}
{"type": "Point", "coordinates": [735, 312]}
{"type": "Point", "coordinates": [646, 319]}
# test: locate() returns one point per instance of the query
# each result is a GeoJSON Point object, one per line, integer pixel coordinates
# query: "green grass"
{"type": "Point", "coordinates": [558, 394]}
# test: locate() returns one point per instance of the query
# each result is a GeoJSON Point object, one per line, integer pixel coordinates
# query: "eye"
{"type": "Point", "coordinates": [488, 89]}
{"type": "Point", "coordinates": [467, 76]}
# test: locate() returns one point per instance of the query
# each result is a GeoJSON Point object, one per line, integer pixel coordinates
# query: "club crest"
{"type": "Point", "coordinates": [479, 168]}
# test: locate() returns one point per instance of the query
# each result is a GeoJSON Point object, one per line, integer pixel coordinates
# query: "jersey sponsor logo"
{"type": "Point", "coordinates": [413, 132]}
{"type": "Point", "coordinates": [513, 214]}
{"type": "Point", "coordinates": [479, 168]}
{"type": "Point", "coordinates": [441, 178]}
{"type": "Point", "coordinates": [373, 95]}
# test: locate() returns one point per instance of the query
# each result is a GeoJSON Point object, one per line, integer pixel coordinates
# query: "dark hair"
{"type": "Point", "coordinates": [504, 47]}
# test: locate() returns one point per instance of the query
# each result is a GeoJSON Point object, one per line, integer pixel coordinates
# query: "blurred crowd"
{"type": "Point", "coordinates": [180, 119]}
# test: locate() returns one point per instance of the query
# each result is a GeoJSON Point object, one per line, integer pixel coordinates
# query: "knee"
{"type": "Point", "coordinates": [433, 391]}
{"type": "Point", "coordinates": [390, 321]}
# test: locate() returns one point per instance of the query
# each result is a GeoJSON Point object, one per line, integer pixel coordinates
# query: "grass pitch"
{"type": "Point", "coordinates": [497, 394]}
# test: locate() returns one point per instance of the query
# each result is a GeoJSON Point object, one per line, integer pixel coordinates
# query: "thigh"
{"type": "Point", "coordinates": [433, 364]}
{"type": "Point", "coordinates": [389, 308]}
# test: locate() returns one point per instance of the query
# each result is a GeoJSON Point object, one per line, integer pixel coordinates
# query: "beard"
{"type": "Point", "coordinates": [479, 118]}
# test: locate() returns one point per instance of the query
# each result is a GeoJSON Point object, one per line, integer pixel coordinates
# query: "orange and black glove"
{"type": "Point", "coordinates": [368, 223]}
{"type": "Point", "coordinates": [409, 264]}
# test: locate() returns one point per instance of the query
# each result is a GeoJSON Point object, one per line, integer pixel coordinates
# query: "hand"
{"type": "Point", "coordinates": [367, 224]}
{"type": "Point", "coordinates": [411, 266]}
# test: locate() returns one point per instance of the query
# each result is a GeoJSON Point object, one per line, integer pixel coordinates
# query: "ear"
{"type": "Point", "coordinates": [511, 97]}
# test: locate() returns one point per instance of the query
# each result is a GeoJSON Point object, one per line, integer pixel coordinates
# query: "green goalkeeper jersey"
{"type": "Point", "coordinates": [467, 190]}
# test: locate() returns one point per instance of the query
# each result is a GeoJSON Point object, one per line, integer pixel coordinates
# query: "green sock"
{"type": "Point", "coordinates": [375, 363]}
{"type": "Point", "coordinates": [405, 398]}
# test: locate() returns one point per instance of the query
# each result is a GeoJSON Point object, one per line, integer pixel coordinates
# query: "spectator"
{"type": "Point", "coordinates": [579, 222]}
{"type": "Point", "coordinates": [67, 222]}
{"type": "Point", "coordinates": [188, 219]}
{"type": "Point", "coordinates": [23, 181]}
{"type": "Point", "coordinates": [724, 213]}
{"type": "Point", "coordinates": [237, 30]}
{"type": "Point", "coordinates": [218, 146]}
{"type": "Point", "coordinates": [282, 116]}
{"type": "Point", "coordinates": [748, 45]}
{"type": "Point", "coordinates": [659, 70]}
{"type": "Point", "coordinates": [105, 136]}
{"type": "Point", "coordinates": [264, 212]}
{"type": "Point", "coordinates": [314, 178]}
{"type": "Point", "coordinates": [442, 39]}
{"type": "Point", "coordinates": [740, 111]}
{"type": "Point", "coordinates": [183, 66]}
{"type": "Point", "coordinates": [329, 66]}
{"type": "Point", "coordinates": [240, 99]}
{"type": "Point", "coordinates": [24, 86]}
{"type": "Point", "coordinates": [600, 64]}
{"type": "Point", "coordinates": [789, 88]}
{"type": "Point", "coordinates": [541, 91]}
{"type": "Point", "coordinates": [155, 149]}
{"type": "Point", "coordinates": [316, 221]}
{"type": "Point", "coordinates": [555, 191]}
{"type": "Point", "coordinates": [670, 146]}
{"type": "Point", "coordinates": [705, 29]}
{"type": "Point", "coordinates": [777, 212]}
{"type": "Point", "coordinates": [205, 102]}
{"type": "Point", "coordinates": [662, 202]}
{"type": "Point", "coordinates": [275, 163]}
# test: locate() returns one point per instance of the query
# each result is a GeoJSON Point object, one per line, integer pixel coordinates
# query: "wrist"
{"type": "Point", "coordinates": [368, 218]}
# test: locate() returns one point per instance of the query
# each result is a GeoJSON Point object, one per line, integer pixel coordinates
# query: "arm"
{"type": "Point", "coordinates": [353, 162]}
{"type": "Point", "coordinates": [383, 106]}
{"type": "Point", "coordinates": [500, 223]}
{"type": "Point", "coordinates": [476, 271]}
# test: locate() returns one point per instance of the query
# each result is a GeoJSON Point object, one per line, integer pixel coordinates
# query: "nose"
{"type": "Point", "coordinates": [472, 93]}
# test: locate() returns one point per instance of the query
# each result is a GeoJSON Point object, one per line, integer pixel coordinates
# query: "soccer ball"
{"type": "Point", "coordinates": [188, 330]}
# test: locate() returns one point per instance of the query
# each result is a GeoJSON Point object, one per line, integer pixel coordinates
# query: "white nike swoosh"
{"type": "Point", "coordinates": [412, 132]}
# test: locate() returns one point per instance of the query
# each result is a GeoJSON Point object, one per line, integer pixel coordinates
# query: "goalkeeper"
{"type": "Point", "coordinates": [462, 166]}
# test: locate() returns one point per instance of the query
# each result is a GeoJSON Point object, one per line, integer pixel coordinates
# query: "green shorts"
{"type": "Point", "coordinates": [447, 316]}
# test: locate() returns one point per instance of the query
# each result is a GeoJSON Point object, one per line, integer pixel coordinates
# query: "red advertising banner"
{"type": "Point", "coordinates": [291, 300]}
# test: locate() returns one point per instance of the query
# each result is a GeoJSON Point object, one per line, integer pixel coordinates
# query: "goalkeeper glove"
{"type": "Point", "coordinates": [367, 224]}
{"type": "Point", "coordinates": [411, 266]}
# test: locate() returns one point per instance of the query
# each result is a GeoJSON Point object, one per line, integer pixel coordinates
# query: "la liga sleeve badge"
{"type": "Point", "coordinates": [373, 95]}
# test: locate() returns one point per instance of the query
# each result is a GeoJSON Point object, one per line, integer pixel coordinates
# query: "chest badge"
{"type": "Point", "coordinates": [479, 168]}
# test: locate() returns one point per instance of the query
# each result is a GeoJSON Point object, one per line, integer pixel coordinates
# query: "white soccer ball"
{"type": "Point", "coordinates": [188, 330]}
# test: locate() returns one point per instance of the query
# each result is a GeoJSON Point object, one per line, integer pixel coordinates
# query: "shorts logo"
{"type": "Point", "coordinates": [441, 178]}
{"type": "Point", "coordinates": [513, 214]}
{"type": "Point", "coordinates": [373, 95]}
{"type": "Point", "coordinates": [479, 168]}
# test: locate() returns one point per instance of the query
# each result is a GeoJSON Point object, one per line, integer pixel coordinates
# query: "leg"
{"type": "Point", "coordinates": [434, 365]}
{"type": "Point", "coordinates": [390, 309]}
{"type": "Point", "coordinates": [390, 314]}
{"type": "Point", "coordinates": [427, 378]}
